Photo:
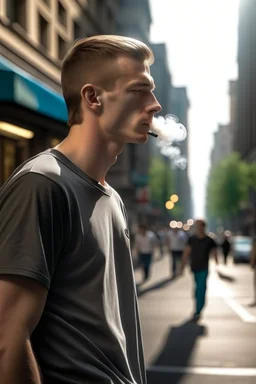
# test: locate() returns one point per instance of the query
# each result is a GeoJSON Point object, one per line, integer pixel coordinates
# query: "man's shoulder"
{"type": "Point", "coordinates": [43, 163]}
{"type": "Point", "coordinates": [210, 239]}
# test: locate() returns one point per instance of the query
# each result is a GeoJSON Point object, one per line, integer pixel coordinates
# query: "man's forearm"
{"type": "Point", "coordinates": [184, 259]}
{"type": "Point", "coordinates": [18, 364]}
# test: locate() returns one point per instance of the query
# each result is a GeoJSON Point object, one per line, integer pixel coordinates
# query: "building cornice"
{"type": "Point", "coordinates": [20, 46]}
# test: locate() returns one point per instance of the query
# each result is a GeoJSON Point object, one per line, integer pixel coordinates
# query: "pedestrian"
{"type": "Point", "coordinates": [253, 265]}
{"type": "Point", "coordinates": [176, 241]}
{"type": "Point", "coordinates": [199, 248]}
{"type": "Point", "coordinates": [68, 301]}
{"type": "Point", "coordinates": [225, 246]}
{"type": "Point", "coordinates": [145, 244]}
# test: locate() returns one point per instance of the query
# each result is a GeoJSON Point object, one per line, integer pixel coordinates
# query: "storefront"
{"type": "Point", "coordinates": [32, 117]}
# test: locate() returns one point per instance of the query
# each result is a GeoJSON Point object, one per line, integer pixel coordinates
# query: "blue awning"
{"type": "Point", "coordinates": [19, 87]}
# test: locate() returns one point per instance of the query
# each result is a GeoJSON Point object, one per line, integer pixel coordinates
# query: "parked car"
{"type": "Point", "coordinates": [241, 248]}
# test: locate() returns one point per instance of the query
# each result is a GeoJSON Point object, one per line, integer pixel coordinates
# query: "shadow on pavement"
{"type": "Point", "coordinates": [226, 277]}
{"type": "Point", "coordinates": [177, 352]}
{"type": "Point", "coordinates": [157, 285]}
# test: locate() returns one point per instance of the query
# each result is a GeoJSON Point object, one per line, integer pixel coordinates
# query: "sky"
{"type": "Point", "coordinates": [201, 39]}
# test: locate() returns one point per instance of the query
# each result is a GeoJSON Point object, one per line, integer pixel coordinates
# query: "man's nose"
{"type": "Point", "coordinates": [154, 106]}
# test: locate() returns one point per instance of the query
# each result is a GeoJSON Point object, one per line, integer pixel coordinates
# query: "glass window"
{"type": "Point", "coordinates": [62, 14]}
{"type": "Point", "coordinates": [62, 46]}
{"type": "Point", "coordinates": [43, 27]}
{"type": "Point", "coordinates": [77, 31]}
{"type": "Point", "coordinates": [16, 12]}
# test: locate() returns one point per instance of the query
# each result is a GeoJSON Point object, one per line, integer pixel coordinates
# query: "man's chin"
{"type": "Point", "coordinates": [140, 138]}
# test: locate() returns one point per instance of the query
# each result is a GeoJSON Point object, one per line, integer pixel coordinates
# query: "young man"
{"type": "Point", "coordinates": [145, 244]}
{"type": "Point", "coordinates": [176, 241]}
{"type": "Point", "coordinates": [68, 306]}
{"type": "Point", "coordinates": [199, 248]}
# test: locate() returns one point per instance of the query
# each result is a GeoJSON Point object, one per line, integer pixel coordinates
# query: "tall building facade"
{"type": "Point", "coordinates": [233, 110]}
{"type": "Point", "coordinates": [245, 129]}
{"type": "Point", "coordinates": [180, 108]}
{"type": "Point", "coordinates": [222, 144]}
{"type": "Point", "coordinates": [245, 133]}
{"type": "Point", "coordinates": [130, 173]}
{"type": "Point", "coordinates": [34, 37]}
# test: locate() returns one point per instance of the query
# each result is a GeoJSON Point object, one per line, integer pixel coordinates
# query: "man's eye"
{"type": "Point", "coordinates": [137, 90]}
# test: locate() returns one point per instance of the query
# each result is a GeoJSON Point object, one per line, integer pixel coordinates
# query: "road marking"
{"type": "Point", "coordinates": [210, 371]}
{"type": "Point", "coordinates": [246, 316]}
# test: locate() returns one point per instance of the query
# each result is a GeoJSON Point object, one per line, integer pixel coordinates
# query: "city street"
{"type": "Point", "coordinates": [221, 348]}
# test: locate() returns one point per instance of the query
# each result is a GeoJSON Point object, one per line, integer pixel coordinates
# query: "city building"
{"type": "Point", "coordinates": [245, 129]}
{"type": "Point", "coordinates": [180, 108]}
{"type": "Point", "coordinates": [129, 176]}
{"type": "Point", "coordinates": [160, 71]}
{"type": "Point", "coordinates": [222, 143]}
{"type": "Point", "coordinates": [233, 110]}
{"type": "Point", "coordinates": [245, 133]}
{"type": "Point", "coordinates": [34, 37]}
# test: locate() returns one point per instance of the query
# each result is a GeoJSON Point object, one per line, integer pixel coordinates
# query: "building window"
{"type": "Point", "coordinates": [77, 31]}
{"type": "Point", "coordinates": [16, 12]}
{"type": "Point", "coordinates": [43, 27]}
{"type": "Point", "coordinates": [62, 14]}
{"type": "Point", "coordinates": [62, 45]}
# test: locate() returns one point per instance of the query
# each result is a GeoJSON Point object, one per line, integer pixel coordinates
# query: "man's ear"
{"type": "Point", "coordinates": [91, 96]}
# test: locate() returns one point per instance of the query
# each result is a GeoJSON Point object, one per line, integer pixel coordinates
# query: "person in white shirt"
{"type": "Point", "coordinates": [176, 241]}
{"type": "Point", "coordinates": [145, 243]}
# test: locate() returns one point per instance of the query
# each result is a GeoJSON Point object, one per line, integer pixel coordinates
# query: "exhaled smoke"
{"type": "Point", "coordinates": [170, 132]}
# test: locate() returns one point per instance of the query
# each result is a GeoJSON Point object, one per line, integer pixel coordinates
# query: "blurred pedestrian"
{"type": "Point", "coordinates": [176, 241]}
{"type": "Point", "coordinates": [199, 248]}
{"type": "Point", "coordinates": [145, 244]}
{"type": "Point", "coordinates": [161, 235]}
{"type": "Point", "coordinates": [253, 265]}
{"type": "Point", "coordinates": [225, 246]}
{"type": "Point", "coordinates": [68, 302]}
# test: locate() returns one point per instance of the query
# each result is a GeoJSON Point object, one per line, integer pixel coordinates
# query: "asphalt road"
{"type": "Point", "coordinates": [221, 348]}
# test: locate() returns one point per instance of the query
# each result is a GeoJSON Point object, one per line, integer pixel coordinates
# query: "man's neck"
{"type": "Point", "coordinates": [87, 150]}
{"type": "Point", "coordinates": [201, 235]}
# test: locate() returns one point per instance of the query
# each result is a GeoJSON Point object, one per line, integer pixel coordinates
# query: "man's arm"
{"type": "Point", "coordinates": [185, 256]}
{"type": "Point", "coordinates": [22, 302]}
{"type": "Point", "coordinates": [215, 255]}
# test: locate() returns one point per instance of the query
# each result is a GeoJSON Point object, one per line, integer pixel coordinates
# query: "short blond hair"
{"type": "Point", "coordinates": [83, 63]}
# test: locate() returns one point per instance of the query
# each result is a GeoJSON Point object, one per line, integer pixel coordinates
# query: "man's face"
{"type": "Point", "coordinates": [129, 107]}
{"type": "Point", "coordinates": [199, 227]}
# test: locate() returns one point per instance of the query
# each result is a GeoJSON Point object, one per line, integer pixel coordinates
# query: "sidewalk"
{"type": "Point", "coordinates": [220, 340]}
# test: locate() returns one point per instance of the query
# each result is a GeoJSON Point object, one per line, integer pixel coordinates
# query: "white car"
{"type": "Point", "coordinates": [241, 248]}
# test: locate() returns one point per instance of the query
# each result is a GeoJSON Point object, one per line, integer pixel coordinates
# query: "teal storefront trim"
{"type": "Point", "coordinates": [19, 87]}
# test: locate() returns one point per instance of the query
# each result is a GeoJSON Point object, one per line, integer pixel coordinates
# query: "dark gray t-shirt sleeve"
{"type": "Point", "coordinates": [33, 215]}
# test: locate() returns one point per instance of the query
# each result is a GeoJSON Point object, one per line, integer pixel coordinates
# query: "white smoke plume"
{"type": "Point", "coordinates": [170, 132]}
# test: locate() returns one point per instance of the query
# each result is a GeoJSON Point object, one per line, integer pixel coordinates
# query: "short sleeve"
{"type": "Point", "coordinates": [190, 241]}
{"type": "Point", "coordinates": [213, 244]}
{"type": "Point", "coordinates": [33, 227]}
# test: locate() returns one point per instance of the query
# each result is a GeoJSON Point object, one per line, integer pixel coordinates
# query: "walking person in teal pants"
{"type": "Point", "coordinates": [199, 248]}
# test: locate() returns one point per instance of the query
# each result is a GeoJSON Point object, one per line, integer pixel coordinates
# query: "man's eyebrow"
{"type": "Point", "coordinates": [143, 84]}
